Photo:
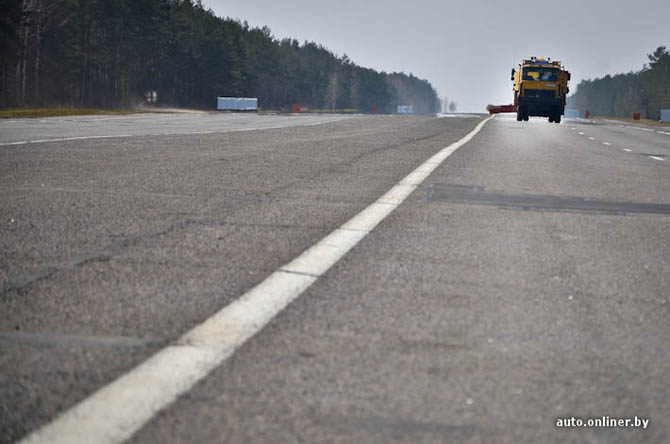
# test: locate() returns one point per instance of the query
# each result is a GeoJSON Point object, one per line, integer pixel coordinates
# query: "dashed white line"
{"type": "Point", "coordinates": [626, 149]}
{"type": "Point", "coordinates": [580, 133]}
{"type": "Point", "coordinates": [116, 411]}
{"type": "Point", "coordinates": [607, 143]}
{"type": "Point", "coordinates": [592, 138]}
{"type": "Point", "coordinates": [656, 158]}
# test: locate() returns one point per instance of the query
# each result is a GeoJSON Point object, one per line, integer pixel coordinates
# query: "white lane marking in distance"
{"type": "Point", "coordinates": [185, 133]}
{"type": "Point", "coordinates": [626, 149]}
{"type": "Point", "coordinates": [657, 158]}
{"type": "Point", "coordinates": [116, 411]}
{"type": "Point", "coordinates": [592, 138]}
{"type": "Point", "coordinates": [641, 129]}
{"type": "Point", "coordinates": [663, 132]}
{"type": "Point", "coordinates": [606, 143]}
{"type": "Point", "coordinates": [580, 133]}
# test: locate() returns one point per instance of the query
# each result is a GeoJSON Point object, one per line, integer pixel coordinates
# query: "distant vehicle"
{"type": "Point", "coordinates": [540, 89]}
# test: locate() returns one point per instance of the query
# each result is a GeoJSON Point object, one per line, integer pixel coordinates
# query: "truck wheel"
{"type": "Point", "coordinates": [519, 116]}
{"type": "Point", "coordinates": [526, 117]}
{"type": "Point", "coordinates": [557, 118]}
{"type": "Point", "coordinates": [551, 119]}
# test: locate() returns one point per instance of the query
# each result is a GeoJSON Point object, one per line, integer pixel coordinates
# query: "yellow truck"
{"type": "Point", "coordinates": [540, 89]}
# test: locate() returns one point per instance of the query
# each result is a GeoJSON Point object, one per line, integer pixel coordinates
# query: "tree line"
{"type": "Point", "coordinates": [646, 91]}
{"type": "Point", "coordinates": [107, 54]}
{"type": "Point", "coordinates": [447, 106]}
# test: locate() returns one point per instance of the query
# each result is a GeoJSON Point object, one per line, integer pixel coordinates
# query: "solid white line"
{"type": "Point", "coordinates": [188, 133]}
{"type": "Point", "coordinates": [641, 129]}
{"type": "Point", "coordinates": [23, 142]}
{"type": "Point", "coordinates": [606, 143]}
{"type": "Point", "coordinates": [657, 158]}
{"type": "Point", "coordinates": [460, 116]}
{"type": "Point", "coordinates": [626, 149]}
{"type": "Point", "coordinates": [101, 118]}
{"type": "Point", "coordinates": [119, 409]}
{"type": "Point", "coordinates": [663, 132]}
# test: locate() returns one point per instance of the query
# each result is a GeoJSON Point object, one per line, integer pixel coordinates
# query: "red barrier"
{"type": "Point", "coordinates": [296, 108]}
{"type": "Point", "coordinates": [587, 114]}
{"type": "Point", "coordinates": [374, 110]}
{"type": "Point", "coordinates": [496, 109]}
{"type": "Point", "coordinates": [636, 116]}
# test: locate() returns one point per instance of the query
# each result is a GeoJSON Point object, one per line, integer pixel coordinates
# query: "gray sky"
{"type": "Point", "coordinates": [467, 48]}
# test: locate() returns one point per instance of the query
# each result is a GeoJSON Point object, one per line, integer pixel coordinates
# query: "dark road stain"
{"type": "Point", "coordinates": [431, 346]}
{"type": "Point", "coordinates": [401, 428]}
{"type": "Point", "coordinates": [70, 340]}
{"type": "Point", "coordinates": [477, 195]}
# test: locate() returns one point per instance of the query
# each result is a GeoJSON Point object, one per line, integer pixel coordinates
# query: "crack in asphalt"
{"type": "Point", "coordinates": [23, 282]}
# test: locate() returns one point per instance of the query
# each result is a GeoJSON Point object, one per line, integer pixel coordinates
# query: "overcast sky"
{"type": "Point", "coordinates": [467, 48]}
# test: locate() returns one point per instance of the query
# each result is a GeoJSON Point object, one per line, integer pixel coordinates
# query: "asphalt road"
{"type": "Point", "coordinates": [526, 279]}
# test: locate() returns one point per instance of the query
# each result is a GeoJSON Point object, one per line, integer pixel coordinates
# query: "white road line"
{"type": "Point", "coordinates": [663, 132]}
{"type": "Point", "coordinates": [641, 129]}
{"type": "Point", "coordinates": [656, 158]}
{"type": "Point", "coordinates": [459, 116]}
{"type": "Point", "coordinates": [573, 129]}
{"type": "Point", "coordinates": [592, 138]}
{"type": "Point", "coordinates": [606, 143]}
{"type": "Point", "coordinates": [62, 139]}
{"type": "Point", "coordinates": [187, 133]}
{"type": "Point", "coordinates": [580, 133]}
{"type": "Point", "coordinates": [102, 118]}
{"type": "Point", "coordinates": [626, 149]}
{"type": "Point", "coordinates": [119, 409]}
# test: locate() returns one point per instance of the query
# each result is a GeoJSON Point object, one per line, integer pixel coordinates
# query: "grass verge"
{"type": "Point", "coordinates": [636, 122]}
{"type": "Point", "coordinates": [13, 113]}
{"type": "Point", "coordinates": [333, 111]}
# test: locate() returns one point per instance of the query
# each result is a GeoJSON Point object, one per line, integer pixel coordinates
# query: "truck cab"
{"type": "Point", "coordinates": [540, 89]}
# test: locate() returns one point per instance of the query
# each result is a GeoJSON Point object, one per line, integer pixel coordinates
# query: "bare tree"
{"type": "Point", "coordinates": [333, 91]}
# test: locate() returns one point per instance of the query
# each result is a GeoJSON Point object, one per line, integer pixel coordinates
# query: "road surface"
{"type": "Point", "coordinates": [519, 276]}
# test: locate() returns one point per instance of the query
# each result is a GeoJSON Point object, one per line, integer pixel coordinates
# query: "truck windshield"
{"type": "Point", "coordinates": [540, 74]}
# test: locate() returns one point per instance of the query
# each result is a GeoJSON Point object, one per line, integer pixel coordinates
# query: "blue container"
{"type": "Point", "coordinates": [237, 104]}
